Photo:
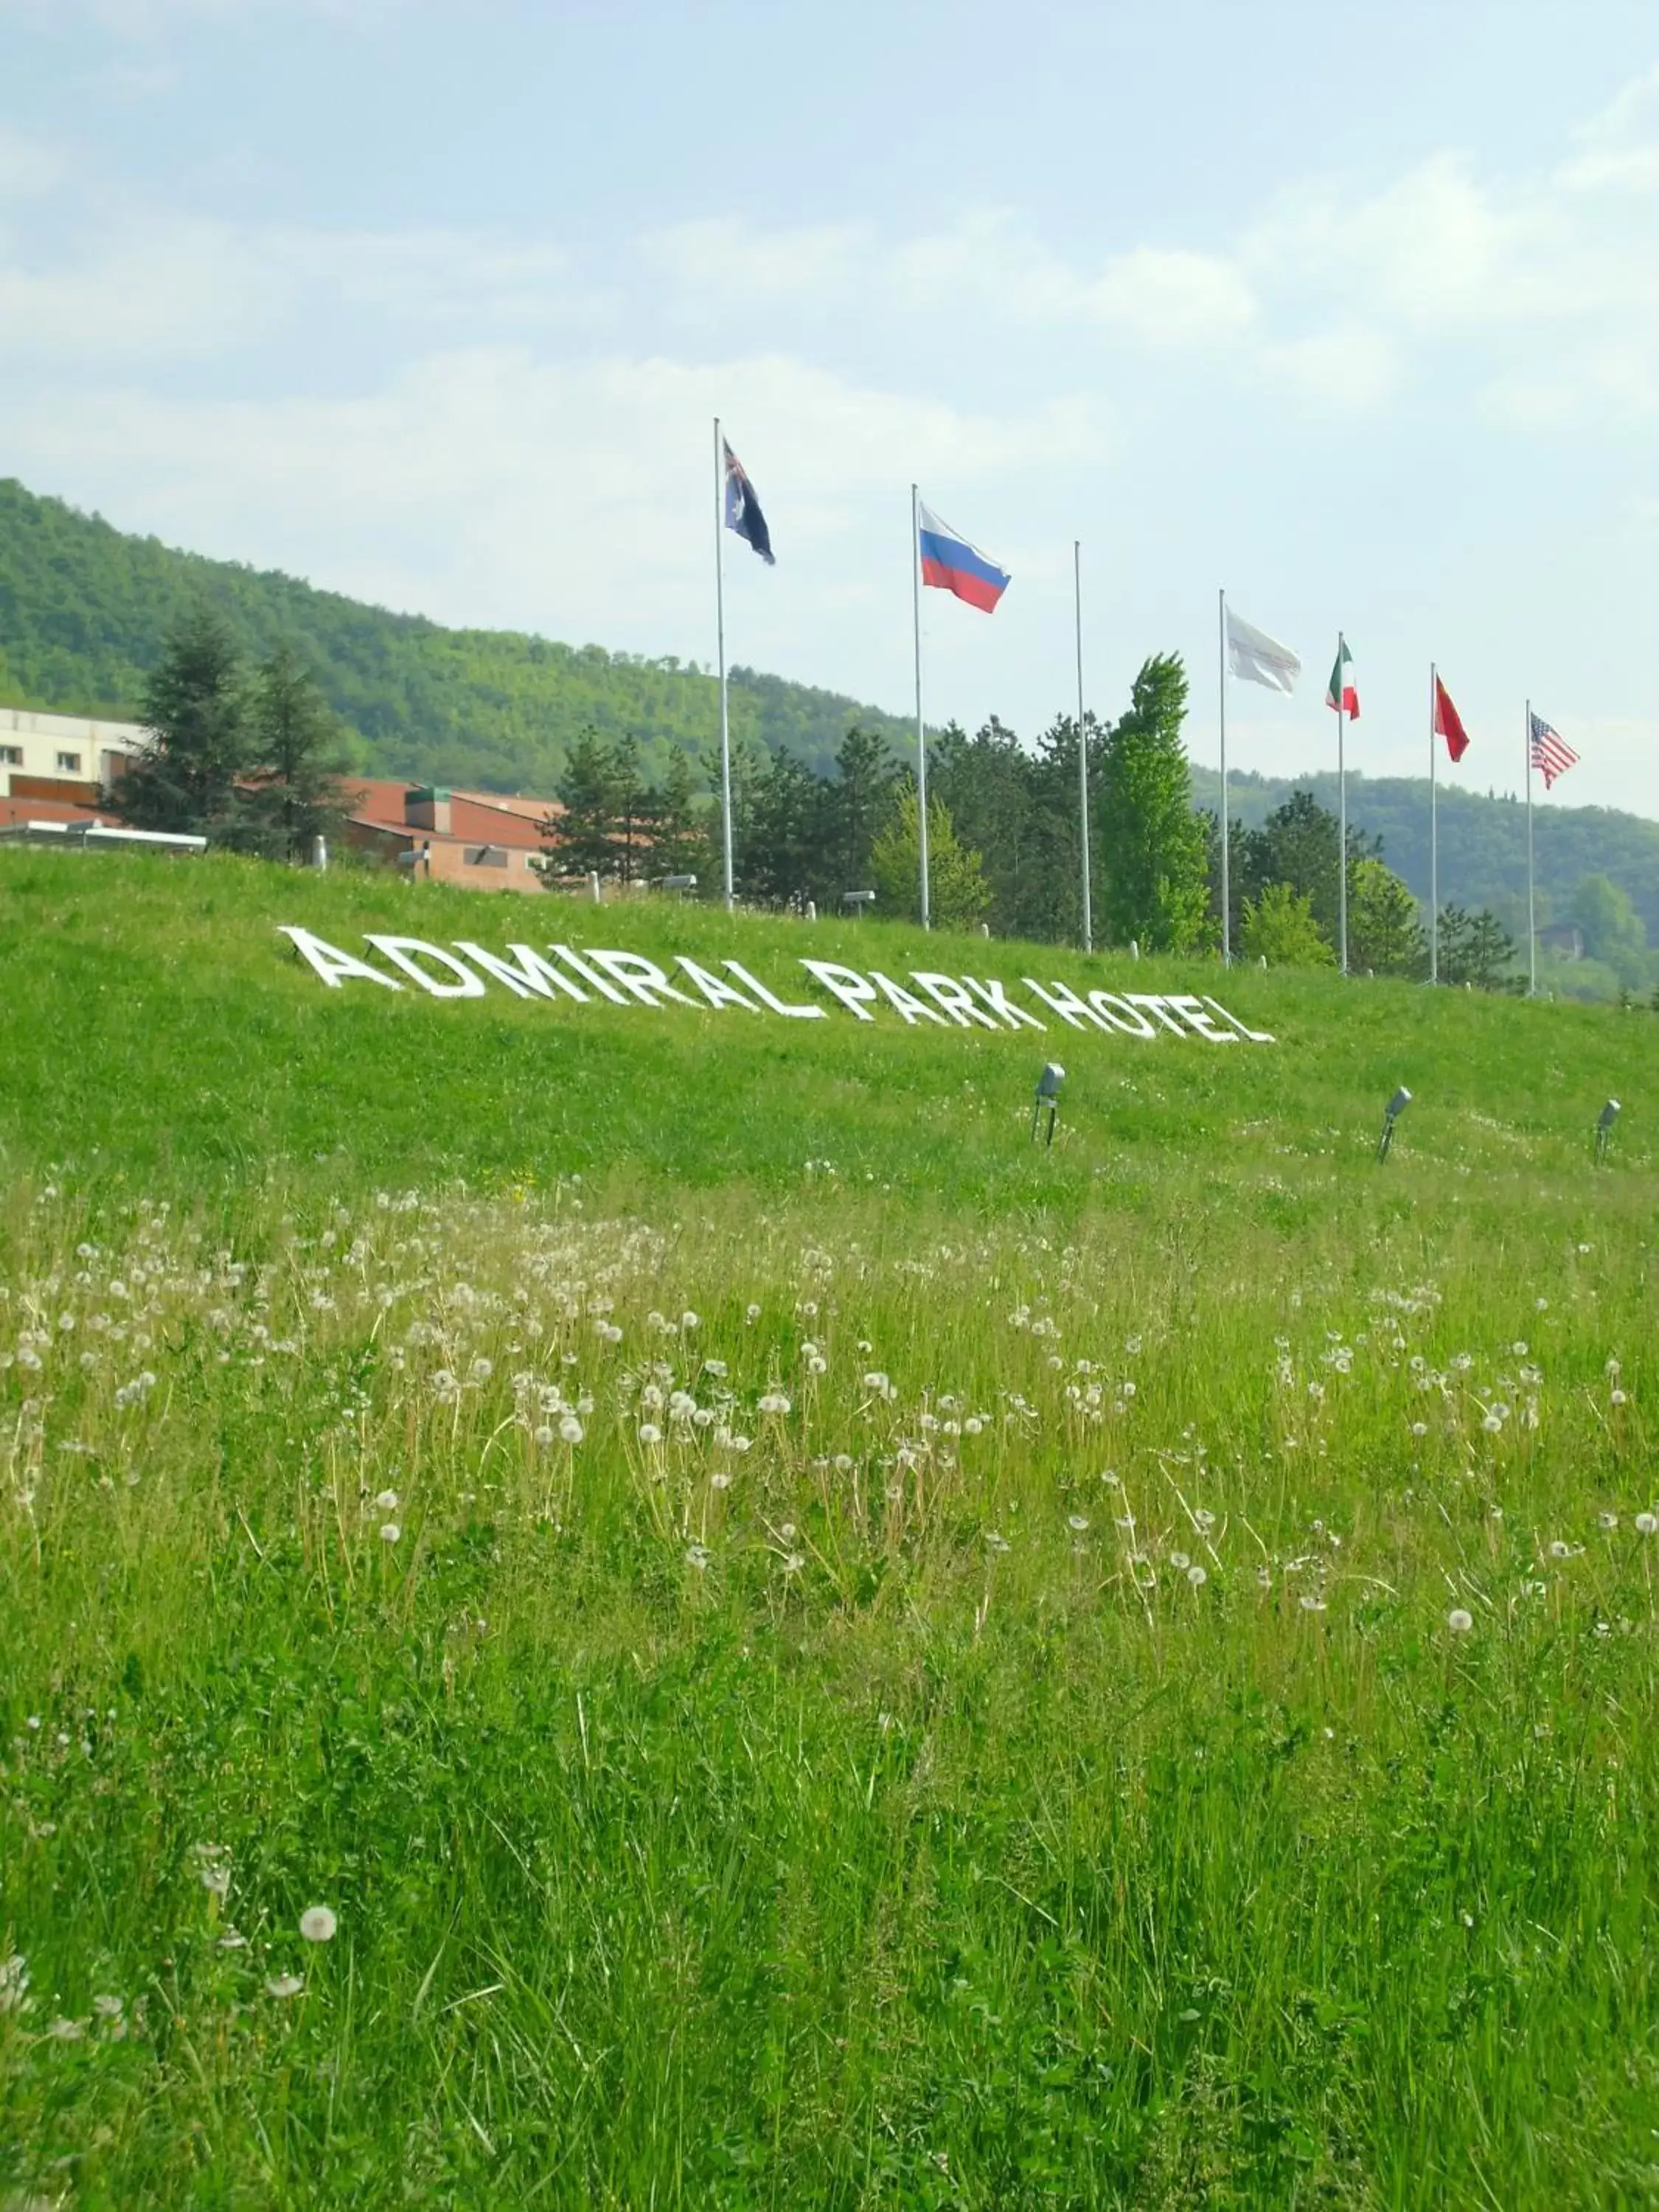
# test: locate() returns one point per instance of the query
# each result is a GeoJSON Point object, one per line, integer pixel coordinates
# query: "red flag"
{"type": "Point", "coordinates": [1448, 723]}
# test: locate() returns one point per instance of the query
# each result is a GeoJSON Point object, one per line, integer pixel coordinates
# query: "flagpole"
{"type": "Point", "coordinates": [719, 635]}
{"type": "Point", "coordinates": [921, 738]}
{"type": "Point", "coordinates": [1082, 749]}
{"type": "Point", "coordinates": [1531, 913]}
{"type": "Point", "coordinates": [1341, 809]}
{"type": "Point", "coordinates": [1434, 833]}
{"type": "Point", "coordinates": [1226, 906]}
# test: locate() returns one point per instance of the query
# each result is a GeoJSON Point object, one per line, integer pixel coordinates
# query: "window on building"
{"type": "Point", "coordinates": [486, 856]}
{"type": "Point", "coordinates": [68, 763]}
{"type": "Point", "coordinates": [11, 756]}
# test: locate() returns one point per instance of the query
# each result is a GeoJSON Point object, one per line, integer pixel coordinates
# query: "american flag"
{"type": "Point", "coordinates": [1551, 753]}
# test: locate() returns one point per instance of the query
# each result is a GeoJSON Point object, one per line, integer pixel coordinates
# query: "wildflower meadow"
{"type": "Point", "coordinates": [615, 1608]}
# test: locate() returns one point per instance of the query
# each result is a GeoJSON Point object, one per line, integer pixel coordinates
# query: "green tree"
{"type": "Point", "coordinates": [196, 710]}
{"type": "Point", "coordinates": [581, 837]}
{"type": "Point", "coordinates": [958, 894]}
{"type": "Point", "coordinates": [1612, 929]}
{"type": "Point", "coordinates": [785, 861]}
{"type": "Point", "coordinates": [681, 838]}
{"type": "Point", "coordinates": [1151, 864]}
{"type": "Point", "coordinates": [1491, 952]}
{"type": "Point", "coordinates": [1385, 931]}
{"type": "Point", "coordinates": [856, 812]}
{"type": "Point", "coordinates": [295, 792]}
{"type": "Point", "coordinates": [1475, 949]}
{"type": "Point", "coordinates": [1279, 928]}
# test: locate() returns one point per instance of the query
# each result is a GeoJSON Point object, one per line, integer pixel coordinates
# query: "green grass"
{"type": "Point", "coordinates": [1011, 1782]}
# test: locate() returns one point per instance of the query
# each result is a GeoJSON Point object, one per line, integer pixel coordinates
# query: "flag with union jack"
{"type": "Point", "coordinates": [1552, 756]}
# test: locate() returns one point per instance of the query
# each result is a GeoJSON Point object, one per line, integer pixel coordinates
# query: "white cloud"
{"type": "Point", "coordinates": [158, 287]}
{"type": "Point", "coordinates": [485, 486]}
{"type": "Point", "coordinates": [1163, 297]}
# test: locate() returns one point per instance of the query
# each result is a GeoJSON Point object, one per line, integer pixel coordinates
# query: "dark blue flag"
{"type": "Point", "coordinates": [742, 509]}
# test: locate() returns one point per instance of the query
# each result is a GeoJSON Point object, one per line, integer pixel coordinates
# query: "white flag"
{"type": "Point", "coordinates": [1259, 659]}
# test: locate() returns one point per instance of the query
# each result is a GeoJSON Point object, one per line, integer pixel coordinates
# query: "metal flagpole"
{"type": "Point", "coordinates": [1532, 916]}
{"type": "Point", "coordinates": [719, 632]}
{"type": "Point", "coordinates": [922, 738]}
{"type": "Point", "coordinates": [1082, 749]}
{"type": "Point", "coordinates": [1341, 810]}
{"type": "Point", "coordinates": [1434, 831]}
{"type": "Point", "coordinates": [1226, 905]}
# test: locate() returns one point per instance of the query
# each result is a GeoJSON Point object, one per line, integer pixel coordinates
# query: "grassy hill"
{"type": "Point", "coordinates": [84, 610]}
{"type": "Point", "coordinates": [612, 1606]}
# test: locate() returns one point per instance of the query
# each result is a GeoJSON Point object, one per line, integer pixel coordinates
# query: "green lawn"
{"type": "Point", "coordinates": [817, 1653]}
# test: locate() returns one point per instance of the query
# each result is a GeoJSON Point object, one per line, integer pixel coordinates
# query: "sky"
{"type": "Point", "coordinates": [1353, 311]}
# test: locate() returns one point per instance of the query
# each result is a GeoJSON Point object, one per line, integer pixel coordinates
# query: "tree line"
{"type": "Point", "coordinates": [1005, 843]}
{"type": "Point", "coordinates": [250, 756]}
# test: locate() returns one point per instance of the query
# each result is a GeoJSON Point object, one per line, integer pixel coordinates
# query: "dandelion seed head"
{"type": "Point", "coordinates": [1647, 1524]}
{"type": "Point", "coordinates": [1459, 1620]}
{"type": "Point", "coordinates": [1197, 1577]}
{"type": "Point", "coordinates": [285, 1985]}
{"type": "Point", "coordinates": [318, 1925]}
{"type": "Point", "coordinates": [390, 1532]}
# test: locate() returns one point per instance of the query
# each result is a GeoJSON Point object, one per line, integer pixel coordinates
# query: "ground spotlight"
{"type": "Point", "coordinates": [1047, 1094]}
{"type": "Point", "coordinates": [1391, 1112]}
{"type": "Point", "coordinates": [1604, 1123]}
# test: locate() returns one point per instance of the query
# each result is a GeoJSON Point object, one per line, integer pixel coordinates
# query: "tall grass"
{"type": "Point", "coordinates": [956, 1676]}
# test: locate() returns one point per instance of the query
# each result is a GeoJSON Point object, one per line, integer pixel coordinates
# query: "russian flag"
{"type": "Point", "coordinates": [950, 563]}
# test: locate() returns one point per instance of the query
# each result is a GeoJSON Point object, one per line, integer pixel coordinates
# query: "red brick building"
{"type": "Point", "coordinates": [479, 839]}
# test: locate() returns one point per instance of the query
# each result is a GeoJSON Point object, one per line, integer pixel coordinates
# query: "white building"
{"type": "Point", "coordinates": [63, 749]}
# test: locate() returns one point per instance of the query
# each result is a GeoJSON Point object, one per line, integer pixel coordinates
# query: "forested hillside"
{"type": "Point", "coordinates": [1483, 842]}
{"type": "Point", "coordinates": [83, 611]}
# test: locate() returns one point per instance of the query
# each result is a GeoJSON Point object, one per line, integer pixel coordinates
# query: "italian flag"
{"type": "Point", "coordinates": [1340, 696]}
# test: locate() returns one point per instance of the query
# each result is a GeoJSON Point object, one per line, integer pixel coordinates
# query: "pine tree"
{"type": "Point", "coordinates": [857, 808]}
{"type": "Point", "coordinates": [582, 836]}
{"type": "Point", "coordinates": [1153, 877]}
{"type": "Point", "coordinates": [680, 838]}
{"type": "Point", "coordinates": [295, 793]}
{"type": "Point", "coordinates": [1385, 931]}
{"type": "Point", "coordinates": [195, 710]}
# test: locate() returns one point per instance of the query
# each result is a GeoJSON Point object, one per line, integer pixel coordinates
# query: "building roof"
{"type": "Point", "coordinates": [475, 818]}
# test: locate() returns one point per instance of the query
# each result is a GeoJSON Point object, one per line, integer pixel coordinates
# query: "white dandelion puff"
{"type": "Point", "coordinates": [1459, 1620]}
{"type": "Point", "coordinates": [285, 1985]}
{"type": "Point", "coordinates": [390, 1532]}
{"type": "Point", "coordinates": [318, 1925]}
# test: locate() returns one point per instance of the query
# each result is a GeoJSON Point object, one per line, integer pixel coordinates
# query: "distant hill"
{"type": "Point", "coordinates": [84, 608]}
{"type": "Point", "coordinates": [1483, 842]}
